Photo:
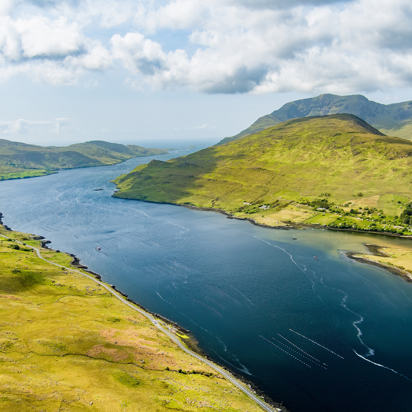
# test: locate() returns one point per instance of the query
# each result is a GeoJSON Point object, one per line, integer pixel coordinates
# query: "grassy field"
{"type": "Point", "coordinates": [66, 344]}
{"type": "Point", "coordinates": [19, 160]}
{"type": "Point", "coordinates": [393, 257]}
{"type": "Point", "coordinates": [332, 170]}
{"type": "Point", "coordinates": [23, 174]}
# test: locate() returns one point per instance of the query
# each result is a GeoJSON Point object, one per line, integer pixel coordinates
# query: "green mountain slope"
{"type": "Point", "coordinates": [299, 160]}
{"type": "Point", "coordinates": [393, 119]}
{"type": "Point", "coordinates": [23, 160]}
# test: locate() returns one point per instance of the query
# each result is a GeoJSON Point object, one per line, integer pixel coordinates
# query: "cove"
{"type": "Point", "coordinates": [320, 335]}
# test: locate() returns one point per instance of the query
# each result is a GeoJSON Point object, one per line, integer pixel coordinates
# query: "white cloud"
{"type": "Point", "coordinates": [218, 46]}
{"type": "Point", "coordinates": [23, 126]}
{"type": "Point", "coordinates": [6, 6]}
{"type": "Point", "coordinates": [54, 51]}
{"type": "Point", "coordinates": [42, 37]}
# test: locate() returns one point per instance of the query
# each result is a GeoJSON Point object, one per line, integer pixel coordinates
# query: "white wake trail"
{"type": "Point", "coordinates": [287, 353]}
{"type": "Point", "coordinates": [300, 354]}
{"type": "Point", "coordinates": [317, 360]}
{"type": "Point", "coordinates": [316, 343]}
{"type": "Point", "coordinates": [382, 366]}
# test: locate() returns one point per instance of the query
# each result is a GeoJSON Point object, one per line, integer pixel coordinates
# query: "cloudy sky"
{"type": "Point", "coordinates": [160, 70]}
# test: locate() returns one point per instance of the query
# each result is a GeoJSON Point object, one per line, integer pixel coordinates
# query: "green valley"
{"type": "Point", "coordinates": [335, 170]}
{"type": "Point", "coordinates": [392, 119]}
{"type": "Point", "coordinates": [20, 160]}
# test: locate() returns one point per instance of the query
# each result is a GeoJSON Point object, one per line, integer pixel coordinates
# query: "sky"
{"type": "Point", "coordinates": [154, 72]}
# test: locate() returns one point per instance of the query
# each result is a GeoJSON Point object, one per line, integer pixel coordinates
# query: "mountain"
{"type": "Point", "coordinates": [392, 119]}
{"type": "Point", "coordinates": [19, 160]}
{"type": "Point", "coordinates": [340, 157]}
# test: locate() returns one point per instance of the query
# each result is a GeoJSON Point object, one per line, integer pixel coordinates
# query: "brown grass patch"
{"type": "Point", "coordinates": [115, 354]}
{"type": "Point", "coordinates": [12, 297]}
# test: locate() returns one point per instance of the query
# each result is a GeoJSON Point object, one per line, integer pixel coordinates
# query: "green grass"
{"type": "Point", "coordinates": [322, 219]}
{"type": "Point", "coordinates": [19, 160]}
{"type": "Point", "coordinates": [340, 158]}
{"type": "Point", "coordinates": [67, 344]}
{"type": "Point", "coordinates": [24, 174]}
{"type": "Point", "coordinates": [126, 379]}
{"type": "Point", "coordinates": [392, 204]}
{"type": "Point", "coordinates": [297, 159]}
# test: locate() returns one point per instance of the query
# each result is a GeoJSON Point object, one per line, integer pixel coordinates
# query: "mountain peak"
{"type": "Point", "coordinates": [394, 119]}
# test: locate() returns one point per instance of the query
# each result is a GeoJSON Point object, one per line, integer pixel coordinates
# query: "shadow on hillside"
{"type": "Point", "coordinates": [172, 181]}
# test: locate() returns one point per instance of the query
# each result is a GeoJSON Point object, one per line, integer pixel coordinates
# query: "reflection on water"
{"type": "Point", "coordinates": [324, 334]}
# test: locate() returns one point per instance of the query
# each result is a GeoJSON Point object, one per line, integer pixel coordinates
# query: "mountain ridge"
{"type": "Point", "coordinates": [394, 119]}
{"type": "Point", "coordinates": [305, 141]}
{"type": "Point", "coordinates": [334, 170]}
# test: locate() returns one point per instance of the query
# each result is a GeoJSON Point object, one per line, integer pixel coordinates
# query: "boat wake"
{"type": "Point", "coordinates": [382, 366]}
{"type": "Point", "coordinates": [316, 343]}
{"type": "Point", "coordinates": [297, 347]}
{"type": "Point", "coordinates": [242, 367]}
{"type": "Point", "coordinates": [309, 358]}
{"type": "Point", "coordinates": [287, 353]}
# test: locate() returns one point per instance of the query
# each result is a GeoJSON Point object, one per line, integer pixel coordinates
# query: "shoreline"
{"type": "Point", "coordinates": [191, 342]}
{"type": "Point", "coordinates": [210, 209]}
{"type": "Point", "coordinates": [288, 226]}
{"type": "Point", "coordinates": [374, 249]}
{"type": "Point", "coordinates": [52, 172]}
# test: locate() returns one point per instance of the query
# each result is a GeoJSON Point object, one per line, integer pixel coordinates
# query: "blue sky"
{"type": "Point", "coordinates": [157, 71]}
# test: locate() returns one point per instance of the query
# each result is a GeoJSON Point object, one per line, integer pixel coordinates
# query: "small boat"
{"type": "Point", "coordinates": [99, 248]}
{"type": "Point", "coordinates": [314, 257]}
{"type": "Point", "coordinates": [295, 238]}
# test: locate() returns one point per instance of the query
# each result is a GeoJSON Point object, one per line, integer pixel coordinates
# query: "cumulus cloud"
{"type": "Point", "coordinates": [222, 46]}
{"type": "Point", "coordinates": [23, 126]}
{"type": "Point", "coordinates": [282, 4]}
{"type": "Point", "coordinates": [42, 37]}
{"type": "Point", "coordinates": [49, 50]}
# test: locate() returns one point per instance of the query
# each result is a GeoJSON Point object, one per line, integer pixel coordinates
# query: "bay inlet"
{"type": "Point", "coordinates": [320, 335]}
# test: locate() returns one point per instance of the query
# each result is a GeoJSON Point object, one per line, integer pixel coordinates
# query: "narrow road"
{"type": "Point", "coordinates": [218, 369]}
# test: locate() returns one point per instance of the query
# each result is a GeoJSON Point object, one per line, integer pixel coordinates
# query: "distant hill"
{"type": "Point", "coordinates": [340, 155]}
{"type": "Point", "coordinates": [392, 119]}
{"type": "Point", "coordinates": [19, 160]}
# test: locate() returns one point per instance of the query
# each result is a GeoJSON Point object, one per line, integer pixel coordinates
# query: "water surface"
{"type": "Point", "coordinates": [321, 335]}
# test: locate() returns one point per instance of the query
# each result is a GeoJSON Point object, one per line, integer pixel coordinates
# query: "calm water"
{"type": "Point", "coordinates": [320, 335]}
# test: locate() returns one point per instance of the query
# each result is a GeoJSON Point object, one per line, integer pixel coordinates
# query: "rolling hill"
{"type": "Point", "coordinates": [18, 160]}
{"type": "Point", "coordinates": [392, 119]}
{"type": "Point", "coordinates": [338, 158]}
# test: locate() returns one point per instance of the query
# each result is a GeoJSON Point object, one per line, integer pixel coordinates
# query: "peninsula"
{"type": "Point", "coordinates": [334, 171]}
{"type": "Point", "coordinates": [20, 160]}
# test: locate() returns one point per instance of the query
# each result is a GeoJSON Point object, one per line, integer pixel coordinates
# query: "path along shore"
{"type": "Point", "coordinates": [248, 391]}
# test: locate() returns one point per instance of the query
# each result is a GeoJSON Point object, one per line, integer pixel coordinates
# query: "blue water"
{"type": "Point", "coordinates": [319, 335]}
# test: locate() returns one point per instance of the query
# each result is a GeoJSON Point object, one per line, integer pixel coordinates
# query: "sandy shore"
{"type": "Point", "coordinates": [376, 250]}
